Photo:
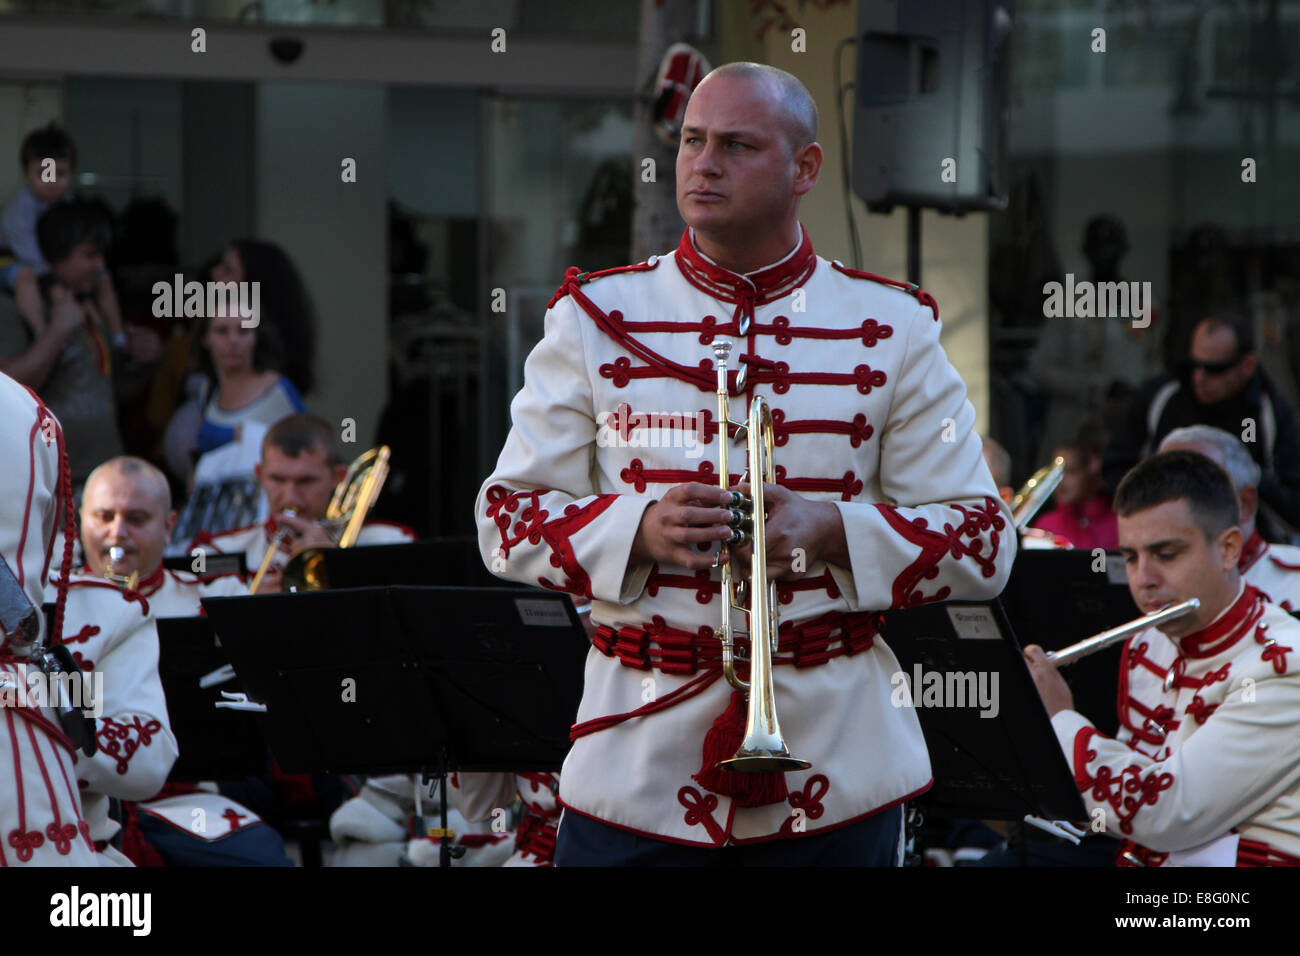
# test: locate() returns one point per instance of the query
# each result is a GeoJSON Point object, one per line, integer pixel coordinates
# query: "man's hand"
{"type": "Point", "coordinates": [309, 535]}
{"type": "Point", "coordinates": [671, 528]}
{"type": "Point", "coordinates": [798, 529]}
{"type": "Point", "coordinates": [1051, 685]}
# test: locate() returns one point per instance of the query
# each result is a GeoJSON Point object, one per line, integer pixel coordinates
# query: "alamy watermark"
{"type": "Point", "coordinates": [946, 689]}
{"type": "Point", "coordinates": [194, 300]}
{"type": "Point", "coordinates": [1102, 300]}
{"type": "Point", "coordinates": [628, 429]}
{"type": "Point", "coordinates": [28, 686]}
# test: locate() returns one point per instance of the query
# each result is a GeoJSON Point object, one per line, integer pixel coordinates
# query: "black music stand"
{"type": "Point", "coordinates": [215, 743]}
{"type": "Point", "coordinates": [1054, 599]}
{"type": "Point", "coordinates": [410, 680]}
{"type": "Point", "coordinates": [434, 561]}
{"type": "Point", "coordinates": [999, 767]}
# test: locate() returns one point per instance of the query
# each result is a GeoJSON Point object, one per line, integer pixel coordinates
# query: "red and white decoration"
{"type": "Point", "coordinates": [41, 820]}
{"type": "Point", "coordinates": [1206, 769]}
{"type": "Point", "coordinates": [871, 416]}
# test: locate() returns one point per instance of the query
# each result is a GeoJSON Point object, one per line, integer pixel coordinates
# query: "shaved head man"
{"type": "Point", "coordinates": [852, 369]}
{"type": "Point", "coordinates": [126, 504]}
{"type": "Point", "coordinates": [747, 155]}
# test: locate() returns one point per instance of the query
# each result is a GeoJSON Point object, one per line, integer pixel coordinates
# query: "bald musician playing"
{"type": "Point", "coordinates": [299, 470]}
{"type": "Point", "coordinates": [882, 500]}
{"type": "Point", "coordinates": [1207, 768]}
{"type": "Point", "coordinates": [126, 520]}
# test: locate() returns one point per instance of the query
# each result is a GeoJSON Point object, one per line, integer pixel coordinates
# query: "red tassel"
{"type": "Point", "coordinates": [134, 845]}
{"type": "Point", "coordinates": [721, 743]}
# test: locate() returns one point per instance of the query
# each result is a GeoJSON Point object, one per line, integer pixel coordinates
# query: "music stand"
{"type": "Point", "coordinates": [215, 743]}
{"type": "Point", "coordinates": [1003, 766]}
{"type": "Point", "coordinates": [1054, 599]}
{"type": "Point", "coordinates": [410, 679]}
{"type": "Point", "coordinates": [441, 561]}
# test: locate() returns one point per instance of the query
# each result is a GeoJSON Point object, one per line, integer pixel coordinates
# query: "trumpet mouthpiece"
{"type": "Point", "coordinates": [116, 554]}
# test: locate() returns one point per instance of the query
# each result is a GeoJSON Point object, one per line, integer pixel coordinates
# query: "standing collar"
{"type": "Point", "coordinates": [754, 288]}
{"type": "Point", "coordinates": [1226, 629]}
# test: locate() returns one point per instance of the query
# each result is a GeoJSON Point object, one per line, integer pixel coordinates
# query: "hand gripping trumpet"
{"type": "Point", "coordinates": [763, 748]}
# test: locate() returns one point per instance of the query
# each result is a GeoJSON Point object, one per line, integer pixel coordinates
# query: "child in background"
{"type": "Point", "coordinates": [47, 157]}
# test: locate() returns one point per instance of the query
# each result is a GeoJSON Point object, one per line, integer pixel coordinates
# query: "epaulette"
{"type": "Point", "coordinates": [920, 294]}
{"type": "Point", "coordinates": [574, 277]}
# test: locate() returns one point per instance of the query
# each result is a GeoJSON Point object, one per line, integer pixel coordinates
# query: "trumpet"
{"type": "Point", "coordinates": [271, 549]}
{"type": "Point", "coordinates": [1030, 499]}
{"type": "Point", "coordinates": [1099, 642]}
{"type": "Point", "coordinates": [763, 748]}
{"type": "Point", "coordinates": [129, 581]}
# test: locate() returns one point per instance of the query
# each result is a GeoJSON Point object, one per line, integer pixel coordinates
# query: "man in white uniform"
{"type": "Point", "coordinates": [300, 468]}
{"type": "Point", "coordinates": [1213, 776]}
{"type": "Point", "coordinates": [127, 506]}
{"type": "Point", "coordinates": [40, 811]}
{"type": "Point", "coordinates": [881, 500]}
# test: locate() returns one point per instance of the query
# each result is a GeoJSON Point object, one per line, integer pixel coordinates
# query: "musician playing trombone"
{"type": "Point", "coordinates": [1207, 767]}
{"type": "Point", "coordinates": [300, 467]}
{"type": "Point", "coordinates": [608, 487]}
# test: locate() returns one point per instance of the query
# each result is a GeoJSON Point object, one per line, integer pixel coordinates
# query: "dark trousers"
{"type": "Point", "coordinates": [583, 841]}
{"type": "Point", "coordinates": [256, 845]}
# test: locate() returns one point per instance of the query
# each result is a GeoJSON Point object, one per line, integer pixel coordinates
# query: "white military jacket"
{"type": "Point", "coordinates": [40, 810]}
{"type": "Point", "coordinates": [254, 539]}
{"type": "Point", "coordinates": [619, 404]}
{"type": "Point", "coordinates": [1206, 770]}
{"type": "Point", "coordinates": [1274, 569]}
{"type": "Point", "coordinates": [111, 634]}
{"type": "Point", "coordinates": [202, 812]}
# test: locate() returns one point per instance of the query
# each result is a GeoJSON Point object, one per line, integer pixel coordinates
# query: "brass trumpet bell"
{"type": "Point", "coordinates": [763, 749]}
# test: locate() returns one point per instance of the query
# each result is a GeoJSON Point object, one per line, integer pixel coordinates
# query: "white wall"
{"type": "Point", "coordinates": [336, 232]}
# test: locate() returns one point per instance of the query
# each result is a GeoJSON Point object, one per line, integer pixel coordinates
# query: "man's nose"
{"type": "Point", "coordinates": [1146, 576]}
{"type": "Point", "coordinates": [117, 529]}
{"type": "Point", "coordinates": [706, 160]}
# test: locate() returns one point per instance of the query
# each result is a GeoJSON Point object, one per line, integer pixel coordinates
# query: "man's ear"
{"type": "Point", "coordinates": [339, 472]}
{"type": "Point", "coordinates": [257, 472]}
{"type": "Point", "coordinates": [808, 165]}
{"type": "Point", "coordinates": [171, 523]}
{"type": "Point", "coordinates": [1230, 547]}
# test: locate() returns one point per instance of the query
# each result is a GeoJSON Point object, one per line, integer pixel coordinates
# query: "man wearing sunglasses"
{"type": "Point", "coordinates": [1219, 384]}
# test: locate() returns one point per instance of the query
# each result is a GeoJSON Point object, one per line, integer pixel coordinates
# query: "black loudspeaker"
{"type": "Point", "coordinates": [930, 104]}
